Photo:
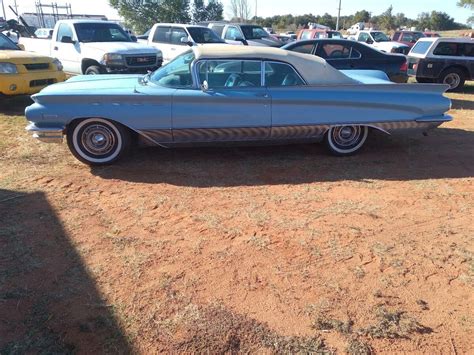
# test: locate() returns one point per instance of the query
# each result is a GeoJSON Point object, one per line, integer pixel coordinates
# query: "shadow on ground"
{"type": "Point", "coordinates": [14, 106]}
{"type": "Point", "coordinates": [445, 153]}
{"type": "Point", "coordinates": [49, 304]}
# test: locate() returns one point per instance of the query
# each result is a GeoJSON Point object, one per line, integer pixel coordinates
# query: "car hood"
{"type": "Point", "coordinates": [92, 85]}
{"type": "Point", "coordinates": [265, 42]}
{"type": "Point", "coordinates": [122, 47]}
{"type": "Point", "coordinates": [22, 56]}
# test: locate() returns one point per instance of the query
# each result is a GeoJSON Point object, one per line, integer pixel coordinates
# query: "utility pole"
{"type": "Point", "coordinates": [16, 10]}
{"type": "Point", "coordinates": [256, 4]}
{"type": "Point", "coordinates": [338, 16]}
{"type": "Point", "coordinates": [4, 13]}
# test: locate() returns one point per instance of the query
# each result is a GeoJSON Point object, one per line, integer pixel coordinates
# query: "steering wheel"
{"type": "Point", "coordinates": [233, 80]}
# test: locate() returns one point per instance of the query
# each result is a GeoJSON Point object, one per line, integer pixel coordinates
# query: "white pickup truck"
{"type": "Point", "coordinates": [95, 47]}
{"type": "Point", "coordinates": [381, 41]}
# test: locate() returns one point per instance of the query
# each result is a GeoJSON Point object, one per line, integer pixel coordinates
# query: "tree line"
{"type": "Point", "coordinates": [143, 14]}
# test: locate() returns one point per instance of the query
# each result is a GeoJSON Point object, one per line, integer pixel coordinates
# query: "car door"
{"type": "Point", "coordinates": [67, 49]}
{"type": "Point", "coordinates": [233, 35]}
{"type": "Point", "coordinates": [177, 47]}
{"type": "Point", "coordinates": [162, 40]}
{"type": "Point", "coordinates": [231, 106]}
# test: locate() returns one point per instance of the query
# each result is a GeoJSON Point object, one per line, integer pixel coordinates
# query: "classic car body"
{"type": "Point", "coordinates": [220, 93]}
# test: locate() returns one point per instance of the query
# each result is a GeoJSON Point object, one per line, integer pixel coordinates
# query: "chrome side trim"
{"type": "Point", "coordinates": [46, 135]}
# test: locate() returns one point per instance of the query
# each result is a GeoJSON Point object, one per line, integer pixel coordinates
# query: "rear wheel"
{"type": "Point", "coordinates": [453, 77]}
{"type": "Point", "coordinates": [346, 140]}
{"type": "Point", "coordinates": [95, 141]}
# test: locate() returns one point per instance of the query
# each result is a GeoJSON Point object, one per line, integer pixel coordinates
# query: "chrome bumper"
{"type": "Point", "coordinates": [46, 135]}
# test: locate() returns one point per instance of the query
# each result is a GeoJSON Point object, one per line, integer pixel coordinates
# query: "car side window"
{"type": "Point", "coordinates": [218, 29]}
{"type": "Point", "coordinates": [336, 51]}
{"type": "Point", "coordinates": [355, 54]}
{"type": "Point", "coordinates": [64, 30]}
{"type": "Point", "coordinates": [176, 36]}
{"type": "Point", "coordinates": [306, 34]}
{"type": "Point", "coordinates": [231, 73]}
{"type": "Point", "coordinates": [162, 35]}
{"type": "Point", "coordinates": [447, 49]}
{"type": "Point", "coordinates": [363, 37]}
{"type": "Point", "coordinates": [281, 74]}
{"type": "Point", "coordinates": [468, 50]}
{"type": "Point", "coordinates": [304, 48]}
{"type": "Point", "coordinates": [232, 33]}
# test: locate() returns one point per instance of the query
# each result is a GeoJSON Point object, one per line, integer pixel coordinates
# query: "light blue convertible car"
{"type": "Point", "coordinates": [221, 93]}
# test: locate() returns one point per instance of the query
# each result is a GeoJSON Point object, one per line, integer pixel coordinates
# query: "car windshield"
{"type": "Point", "coordinates": [412, 37]}
{"type": "Point", "coordinates": [176, 73]}
{"type": "Point", "coordinates": [380, 37]}
{"type": "Point", "coordinates": [5, 43]}
{"type": "Point", "coordinates": [254, 32]}
{"type": "Point", "coordinates": [204, 35]}
{"type": "Point", "coordinates": [101, 32]}
{"type": "Point", "coordinates": [334, 34]}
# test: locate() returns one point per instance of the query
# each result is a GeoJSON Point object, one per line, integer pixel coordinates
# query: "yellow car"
{"type": "Point", "coordinates": [25, 73]}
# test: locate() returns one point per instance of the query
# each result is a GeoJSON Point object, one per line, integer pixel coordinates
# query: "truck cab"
{"type": "Point", "coordinates": [382, 42]}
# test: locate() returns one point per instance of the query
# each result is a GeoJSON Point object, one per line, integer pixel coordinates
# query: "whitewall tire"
{"type": "Point", "coordinates": [96, 141]}
{"type": "Point", "coordinates": [346, 140]}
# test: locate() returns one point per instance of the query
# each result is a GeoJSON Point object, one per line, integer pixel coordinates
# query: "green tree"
{"type": "Point", "coordinates": [441, 21]}
{"type": "Point", "coordinates": [466, 3]}
{"type": "Point", "coordinates": [400, 20]}
{"type": "Point", "coordinates": [215, 10]}
{"type": "Point", "coordinates": [470, 21]}
{"type": "Point", "coordinates": [361, 16]}
{"type": "Point", "coordinates": [424, 21]}
{"type": "Point", "coordinates": [199, 11]}
{"type": "Point", "coordinates": [387, 20]}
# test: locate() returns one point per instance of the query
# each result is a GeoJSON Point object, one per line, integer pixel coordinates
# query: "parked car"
{"type": "Point", "coordinates": [95, 47]}
{"type": "Point", "coordinates": [249, 35]}
{"type": "Point", "coordinates": [44, 33]}
{"type": "Point", "coordinates": [407, 37]}
{"type": "Point", "coordinates": [174, 39]}
{"type": "Point", "coordinates": [442, 60]}
{"type": "Point", "coordinates": [347, 54]}
{"type": "Point", "coordinates": [317, 33]}
{"type": "Point", "coordinates": [220, 93]}
{"type": "Point", "coordinates": [23, 73]}
{"type": "Point", "coordinates": [381, 41]}
{"type": "Point", "coordinates": [431, 34]}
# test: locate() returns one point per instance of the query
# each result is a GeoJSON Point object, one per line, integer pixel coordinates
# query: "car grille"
{"type": "Point", "coordinates": [141, 61]}
{"type": "Point", "coordinates": [42, 82]}
{"type": "Point", "coordinates": [37, 66]}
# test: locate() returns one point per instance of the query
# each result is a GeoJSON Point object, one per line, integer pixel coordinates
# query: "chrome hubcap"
{"type": "Point", "coordinates": [346, 136]}
{"type": "Point", "coordinates": [452, 80]}
{"type": "Point", "coordinates": [98, 140]}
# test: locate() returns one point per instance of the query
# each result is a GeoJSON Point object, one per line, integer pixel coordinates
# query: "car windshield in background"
{"type": "Point", "coordinates": [204, 35]}
{"type": "Point", "coordinates": [380, 37]}
{"type": "Point", "coordinates": [5, 43]}
{"type": "Point", "coordinates": [101, 32]}
{"type": "Point", "coordinates": [334, 34]}
{"type": "Point", "coordinates": [412, 37]}
{"type": "Point", "coordinates": [176, 73]}
{"type": "Point", "coordinates": [254, 32]}
{"type": "Point", "coordinates": [421, 47]}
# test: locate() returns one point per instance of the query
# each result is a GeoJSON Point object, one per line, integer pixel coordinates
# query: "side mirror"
{"type": "Point", "coordinates": [187, 40]}
{"type": "Point", "coordinates": [21, 46]}
{"type": "Point", "coordinates": [67, 39]}
{"type": "Point", "coordinates": [204, 86]}
{"type": "Point", "coordinates": [134, 38]}
{"type": "Point", "coordinates": [369, 41]}
{"type": "Point", "coordinates": [243, 40]}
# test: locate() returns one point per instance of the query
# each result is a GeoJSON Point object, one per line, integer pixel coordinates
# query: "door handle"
{"type": "Point", "coordinates": [55, 48]}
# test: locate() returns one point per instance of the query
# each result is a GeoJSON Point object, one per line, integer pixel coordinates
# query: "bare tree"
{"type": "Point", "coordinates": [240, 9]}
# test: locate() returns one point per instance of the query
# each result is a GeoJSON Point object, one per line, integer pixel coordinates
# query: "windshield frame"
{"type": "Point", "coordinates": [154, 81]}
{"type": "Point", "coordinates": [104, 24]}
{"type": "Point", "coordinates": [9, 41]}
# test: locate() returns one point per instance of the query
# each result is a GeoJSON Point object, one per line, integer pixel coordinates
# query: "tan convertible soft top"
{"type": "Point", "coordinates": [315, 70]}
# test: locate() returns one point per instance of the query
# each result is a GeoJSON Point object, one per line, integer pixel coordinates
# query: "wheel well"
{"type": "Point", "coordinates": [460, 67]}
{"type": "Point", "coordinates": [86, 63]}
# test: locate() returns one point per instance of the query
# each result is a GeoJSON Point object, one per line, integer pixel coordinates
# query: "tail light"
{"type": "Point", "coordinates": [404, 66]}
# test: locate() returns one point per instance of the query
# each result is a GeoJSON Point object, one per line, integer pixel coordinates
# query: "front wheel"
{"type": "Point", "coordinates": [94, 70]}
{"type": "Point", "coordinates": [346, 140]}
{"type": "Point", "coordinates": [95, 141]}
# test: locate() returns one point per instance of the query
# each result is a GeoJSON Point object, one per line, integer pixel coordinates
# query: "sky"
{"type": "Point", "coordinates": [411, 8]}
